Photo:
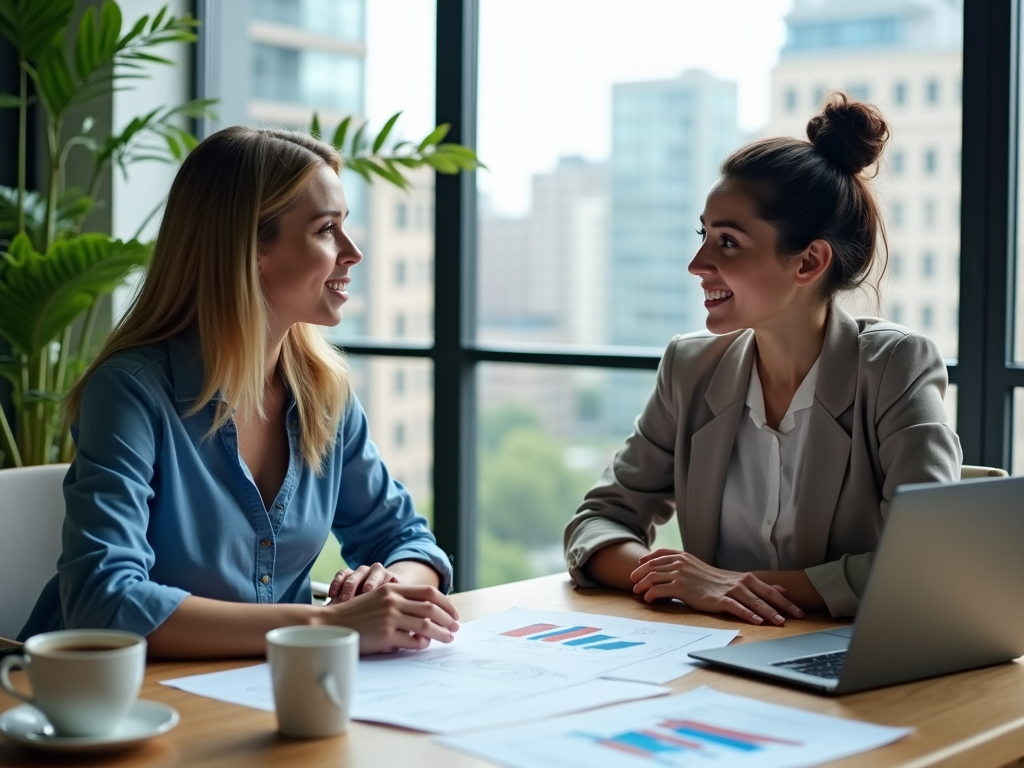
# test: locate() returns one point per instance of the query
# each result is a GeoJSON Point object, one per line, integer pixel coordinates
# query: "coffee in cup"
{"type": "Point", "coordinates": [313, 670]}
{"type": "Point", "coordinates": [83, 680]}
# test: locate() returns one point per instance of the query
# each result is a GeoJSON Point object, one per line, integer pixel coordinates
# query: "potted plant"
{"type": "Point", "coordinates": [53, 275]}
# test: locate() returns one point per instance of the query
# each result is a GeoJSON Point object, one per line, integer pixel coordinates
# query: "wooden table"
{"type": "Point", "coordinates": [973, 719]}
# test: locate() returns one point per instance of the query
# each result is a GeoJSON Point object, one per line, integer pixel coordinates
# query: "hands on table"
{"type": "Point", "coordinates": [668, 573]}
{"type": "Point", "coordinates": [389, 615]}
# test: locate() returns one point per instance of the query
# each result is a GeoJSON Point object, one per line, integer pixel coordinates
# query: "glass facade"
{"type": "Point", "coordinates": [323, 80]}
{"type": "Point", "coordinates": [343, 19]}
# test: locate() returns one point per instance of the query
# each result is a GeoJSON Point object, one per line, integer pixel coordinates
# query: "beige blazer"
{"type": "Point", "coordinates": [877, 422]}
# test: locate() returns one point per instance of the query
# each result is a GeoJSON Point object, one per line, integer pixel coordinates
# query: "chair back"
{"type": "Point", "coordinates": [971, 472]}
{"type": "Point", "coordinates": [31, 518]}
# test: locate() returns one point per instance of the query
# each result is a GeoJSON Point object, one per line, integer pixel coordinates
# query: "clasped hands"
{"type": "Point", "coordinates": [388, 614]}
{"type": "Point", "coordinates": [669, 573]}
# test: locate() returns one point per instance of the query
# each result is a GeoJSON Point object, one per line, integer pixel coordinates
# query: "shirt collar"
{"type": "Point", "coordinates": [802, 399]}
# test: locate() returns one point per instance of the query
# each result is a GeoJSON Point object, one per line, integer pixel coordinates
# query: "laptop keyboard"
{"type": "Point", "coordinates": [827, 665]}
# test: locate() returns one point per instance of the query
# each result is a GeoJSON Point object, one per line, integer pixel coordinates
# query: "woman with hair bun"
{"type": "Point", "coordinates": [218, 438]}
{"type": "Point", "coordinates": [778, 437]}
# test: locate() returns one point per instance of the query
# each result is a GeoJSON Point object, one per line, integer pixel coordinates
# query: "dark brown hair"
{"type": "Point", "coordinates": [817, 189]}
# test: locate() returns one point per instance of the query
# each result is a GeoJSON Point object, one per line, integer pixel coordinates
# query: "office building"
{"type": "Point", "coordinates": [905, 58]}
{"type": "Point", "coordinates": [668, 139]}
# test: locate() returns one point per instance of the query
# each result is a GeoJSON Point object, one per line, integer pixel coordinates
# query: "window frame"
{"type": "Point", "coordinates": [985, 373]}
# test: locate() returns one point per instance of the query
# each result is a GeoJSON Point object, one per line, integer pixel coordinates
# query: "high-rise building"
{"type": "Point", "coordinates": [543, 279]}
{"type": "Point", "coordinates": [668, 139]}
{"type": "Point", "coordinates": [904, 57]}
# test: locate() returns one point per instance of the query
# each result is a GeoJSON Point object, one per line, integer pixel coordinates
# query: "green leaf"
{"type": "Point", "coordinates": [441, 164]}
{"type": "Point", "coordinates": [435, 136]}
{"type": "Point", "coordinates": [339, 133]}
{"type": "Point", "coordinates": [86, 55]}
{"type": "Point", "coordinates": [110, 29]}
{"type": "Point", "coordinates": [157, 19]}
{"type": "Point", "coordinates": [314, 129]}
{"type": "Point", "coordinates": [33, 25]}
{"type": "Point", "coordinates": [54, 80]}
{"type": "Point", "coordinates": [382, 136]}
{"type": "Point", "coordinates": [357, 140]}
{"type": "Point", "coordinates": [359, 166]}
{"type": "Point", "coordinates": [40, 295]}
{"type": "Point", "coordinates": [9, 101]}
{"type": "Point", "coordinates": [134, 32]}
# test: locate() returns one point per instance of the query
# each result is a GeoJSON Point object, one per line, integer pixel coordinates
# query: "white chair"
{"type": "Point", "coordinates": [970, 472]}
{"type": "Point", "coordinates": [31, 516]}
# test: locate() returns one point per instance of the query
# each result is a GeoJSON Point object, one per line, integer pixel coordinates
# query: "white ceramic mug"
{"type": "Point", "coordinates": [313, 669]}
{"type": "Point", "coordinates": [83, 680]}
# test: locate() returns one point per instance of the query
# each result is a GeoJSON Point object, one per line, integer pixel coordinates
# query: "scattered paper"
{"type": "Point", "coordinates": [401, 702]}
{"type": "Point", "coordinates": [702, 727]}
{"type": "Point", "coordinates": [510, 667]}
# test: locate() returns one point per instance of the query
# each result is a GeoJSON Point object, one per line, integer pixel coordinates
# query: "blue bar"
{"type": "Point", "coordinates": [612, 646]}
{"type": "Point", "coordinates": [564, 631]}
{"type": "Point", "coordinates": [642, 741]}
{"type": "Point", "coordinates": [714, 738]}
{"type": "Point", "coordinates": [586, 640]}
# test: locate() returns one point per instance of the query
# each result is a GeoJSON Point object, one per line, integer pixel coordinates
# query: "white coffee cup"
{"type": "Point", "coordinates": [83, 680]}
{"type": "Point", "coordinates": [313, 669]}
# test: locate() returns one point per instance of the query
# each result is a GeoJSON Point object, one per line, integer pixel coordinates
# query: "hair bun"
{"type": "Point", "coordinates": [849, 134]}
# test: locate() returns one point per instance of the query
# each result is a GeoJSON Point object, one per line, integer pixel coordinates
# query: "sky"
{"type": "Point", "coordinates": [547, 69]}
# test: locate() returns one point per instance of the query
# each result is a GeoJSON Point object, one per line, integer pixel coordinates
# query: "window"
{"type": "Point", "coordinates": [897, 163]}
{"type": "Point", "coordinates": [896, 264]}
{"type": "Point", "coordinates": [401, 216]}
{"type": "Point", "coordinates": [928, 264]}
{"type": "Point", "coordinates": [929, 213]}
{"type": "Point", "coordinates": [399, 382]}
{"type": "Point", "coordinates": [791, 99]}
{"type": "Point", "coordinates": [504, 200]}
{"type": "Point", "coordinates": [400, 434]}
{"type": "Point", "coordinates": [896, 214]}
{"type": "Point", "coordinates": [899, 93]}
{"type": "Point", "coordinates": [860, 91]}
{"type": "Point", "coordinates": [931, 92]}
{"type": "Point", "coordinates": [400, 272]}
{"type": "Point", "coordinates": [927, 316]}
{"type": "Point", "coordinates": [931, 161]}
{"type": "Point", "coordinates": [400, 325]}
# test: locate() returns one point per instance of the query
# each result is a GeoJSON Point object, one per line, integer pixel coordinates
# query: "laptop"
{"type": "Point", "coordinates": [943, 596]}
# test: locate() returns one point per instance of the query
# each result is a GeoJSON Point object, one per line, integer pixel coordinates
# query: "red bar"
{"type": "Point", "coordinates": [533, 629]}
{"type": "Point", "coordinates": [570, 635]}
{"type": "Point", "coordinates": [627, 748]}
{"type": "Point", "coordinates": [738, 735]}
{"type": "Point", "coordinates": [674, 740]}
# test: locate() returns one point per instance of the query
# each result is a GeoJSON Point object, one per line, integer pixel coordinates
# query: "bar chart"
{"type": "Point", "coordinates": [587, 638]}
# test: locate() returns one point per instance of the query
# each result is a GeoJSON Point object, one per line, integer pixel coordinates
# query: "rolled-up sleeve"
{"type": "Point", "coordinates": [915, 445]}
{"type": "Point", "coordinates": [104, 568]}
{"type": "Point", "coordinates": [375, 519]}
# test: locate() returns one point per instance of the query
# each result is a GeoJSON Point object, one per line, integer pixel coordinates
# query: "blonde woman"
{"type": "Point", "coordinates": [218, 439]}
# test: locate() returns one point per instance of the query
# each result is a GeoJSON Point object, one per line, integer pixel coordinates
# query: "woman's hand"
{"type": "Point", "coordinates": [366, 578]}
{"type": "Point", "coordinates": [396, 616]}
{"type": "Point", "coordinates": [671, 573]}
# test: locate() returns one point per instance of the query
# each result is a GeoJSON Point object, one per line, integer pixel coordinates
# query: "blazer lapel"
{"type": "Point", "coordinates": [828, 444]}
{"type": "Point", "coordinates": [711, 448]}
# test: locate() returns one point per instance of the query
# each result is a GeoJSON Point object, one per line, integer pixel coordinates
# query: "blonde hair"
{"type": "Point", "coordinates": [225, 202]}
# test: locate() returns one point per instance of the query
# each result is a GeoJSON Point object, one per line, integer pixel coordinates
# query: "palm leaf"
{"type": "Point", "coordinates": [32, 25]}
{"type": "Point", "coordinates": [40, 294]}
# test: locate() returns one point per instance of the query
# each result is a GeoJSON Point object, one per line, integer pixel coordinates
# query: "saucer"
{"type": "Point", "coordinates": [146, 719]}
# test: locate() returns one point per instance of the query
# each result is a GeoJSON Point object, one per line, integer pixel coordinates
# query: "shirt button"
{"type": "Point", "coordinates": [265, 579]}
{"type": "Point", "coordinates": [265, 543]}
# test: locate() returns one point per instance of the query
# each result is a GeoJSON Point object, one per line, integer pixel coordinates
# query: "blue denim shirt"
{"type": "Point", "coordinates": [156, 512]}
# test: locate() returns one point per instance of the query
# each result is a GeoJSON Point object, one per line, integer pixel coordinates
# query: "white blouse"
{"type": "Point", "coordinates": [756, 528]}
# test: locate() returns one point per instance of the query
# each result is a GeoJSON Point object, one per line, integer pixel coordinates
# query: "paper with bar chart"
{"type": "Point", "coordinates": [605, 646]}
{"type": "Point", "coordinates": [696, 729]}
